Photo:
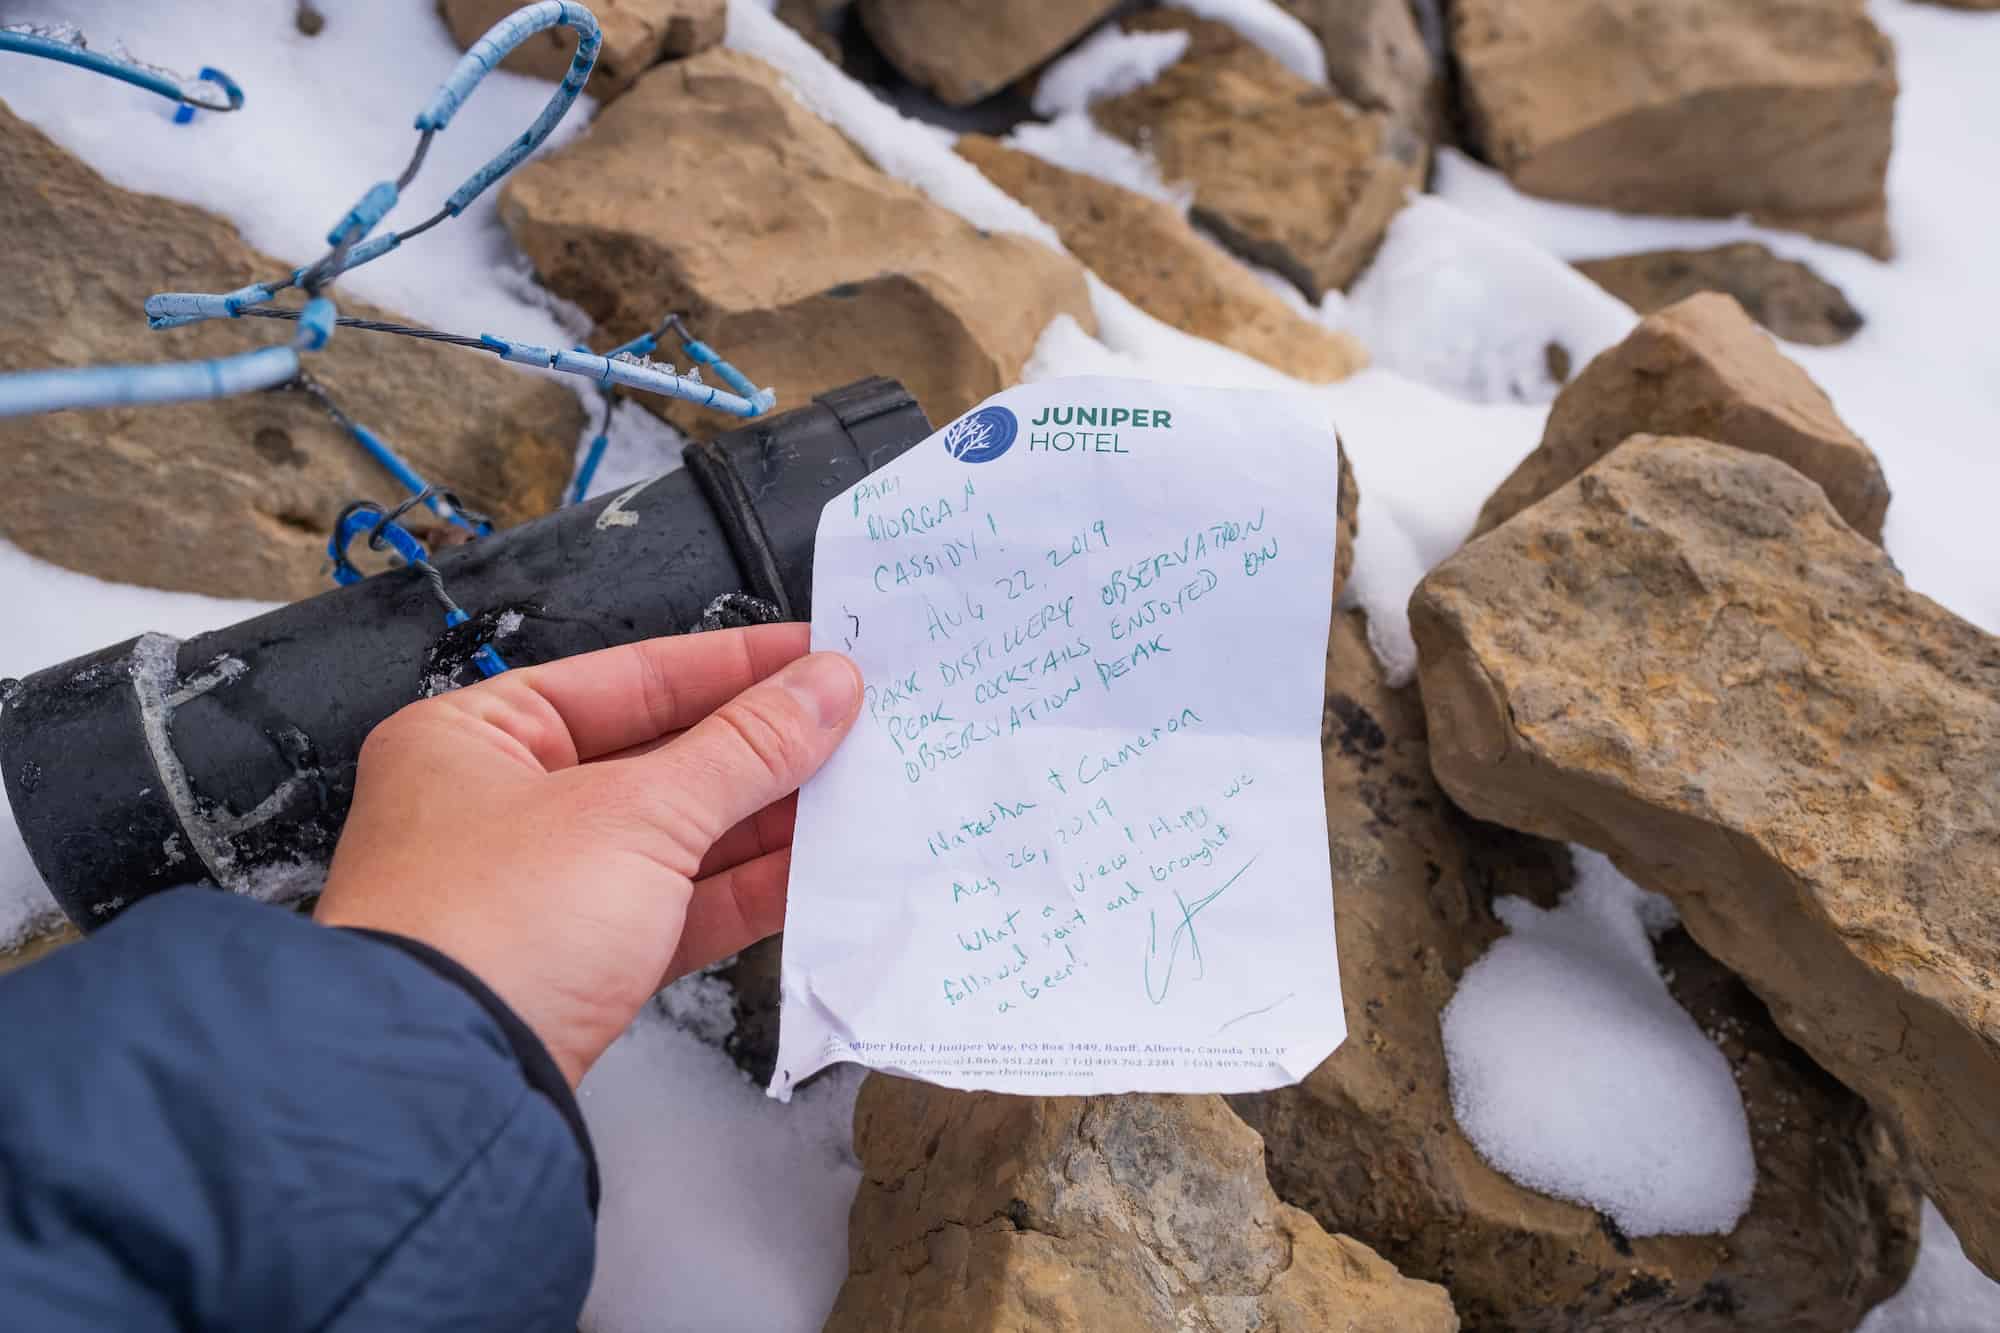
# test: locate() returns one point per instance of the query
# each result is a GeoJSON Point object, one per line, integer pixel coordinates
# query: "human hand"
{"type": "Point", "coordinates": [579, 834]}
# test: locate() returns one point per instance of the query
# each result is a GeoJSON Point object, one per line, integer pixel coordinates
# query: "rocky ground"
{"type": "Point", "coordinates": [1657, 608]}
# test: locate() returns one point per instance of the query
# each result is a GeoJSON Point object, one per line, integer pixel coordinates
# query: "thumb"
{"type": "Point", "coordinates": [752, 751]}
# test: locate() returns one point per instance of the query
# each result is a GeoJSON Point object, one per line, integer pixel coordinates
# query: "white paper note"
{"type": "Point", "coordinates": [1076, 842]}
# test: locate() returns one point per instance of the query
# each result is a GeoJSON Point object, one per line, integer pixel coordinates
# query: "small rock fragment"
{"type": "Point", "coordinates": [966, 50]}
{"type": "Point", "coordinates": [1783, 295]}
{"type": "Point", "coordinates": [1376, 57]}
{"type": "Point", "coordinates": [1699, 368]}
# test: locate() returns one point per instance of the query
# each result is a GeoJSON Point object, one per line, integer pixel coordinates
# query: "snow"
{"type": "Point", "coordinates": [1945, 1293]}
{"type": "Point", "coordinates": [1574, 1071]}
{"type": "Point", "coordinates": [723, 1211]}
{"type": "Point", "coordinates": [1074, 142]}
{"type": "Point", "coordinates": [1458, 303]}
{"type": "Point", "coordinates": [1109, 63]}
{"type": "Point", "coordinates": [1262, 23]}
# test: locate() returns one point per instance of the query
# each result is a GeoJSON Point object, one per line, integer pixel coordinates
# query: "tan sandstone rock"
{"type": "Point", "coordinates": [1368, 1145]}
{"type": "Point", "coordinates": [638, 34]}
{"type": "Point", "coordinates": [1149, 252]}
{"type": "Point", "coordinates": [710, 190]}
{"type": "Point", "coordinates": [1286, 173]}
{"type": "Point", "coordinates": [966, 50]}
{"type": "Point", "coordinates": [1699, 368]}
{"type": "Point", "coordinates": [818, 21]}
{"type": "Point", "coordinates": [1783, 295]}
{"type": "Point", "coordinates": [233, 498]}
{"type": "Point", "coordinates": [1347, 501]}
{"type": "Point", "coordinates": [1687, 660]}
{"type": "Point", "coordinates": [1781, 109]}
{"type": "Point", "coordinates": [980, 1213]}
{"type": "Point", "coordinates": [1376, 57]}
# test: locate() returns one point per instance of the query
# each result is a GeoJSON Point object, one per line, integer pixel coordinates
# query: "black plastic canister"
{"type": "Point", "coordinates": [229, 757]}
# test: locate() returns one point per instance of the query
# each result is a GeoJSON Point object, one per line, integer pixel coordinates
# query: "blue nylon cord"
{"type": "Point", "coordinates": [351, 245]}
{"type": "Point", "coordinates": [605, 372]}
{"type": "Point", "coordinates": [580, 489]}
{"type": "Point", "coordinates": [383, 530]}
{"type": "Point", "coordinates": [36, 391]}
{"type": "Point", "coordinates": [394, 465]}
{"type": "Point", "coordinates": [626, 366]}
{"type": "Point", "coordinates": [488, 52]}
{"type": "Point", "coordinates": [50, 391]}
{"type": "Point", "coordinates": [439, 502]}
{"type": "Point", "coordinates": [757, 400]}
{"type": "Point", "coordinates": [70, 50]}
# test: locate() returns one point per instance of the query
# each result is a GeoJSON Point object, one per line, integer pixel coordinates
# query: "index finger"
{"type": "Point", "coordinates": [620, 697]}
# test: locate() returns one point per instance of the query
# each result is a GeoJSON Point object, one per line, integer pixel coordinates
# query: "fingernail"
{"type": "Point", "coordinates": [827, 684]}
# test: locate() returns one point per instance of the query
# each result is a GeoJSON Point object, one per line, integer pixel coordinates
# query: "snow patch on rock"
{"type": "Point", "coordinates": [722, 1209]}
{"type": "Point", "coordinates": [1109, 63]}
{"type": "Point", "coordinates": [1073, 141]}
{"type": "Point", "coordinates": [1262, 23]}
{"type": "Point", "coordinates": [1575, 1072]}
{"type": "Point", "coordinates": [1462, 305]}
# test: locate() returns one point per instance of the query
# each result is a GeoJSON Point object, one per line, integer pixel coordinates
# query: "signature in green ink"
{"type": "Point", "coordinates": [1184, 932]}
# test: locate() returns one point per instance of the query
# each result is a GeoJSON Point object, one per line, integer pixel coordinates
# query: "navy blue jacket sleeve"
{"type": "Point", "coordinates": [215, 1114]}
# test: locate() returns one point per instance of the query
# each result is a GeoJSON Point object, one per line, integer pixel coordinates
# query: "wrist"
{"type": "Point", "coordinates": [541, 1067]}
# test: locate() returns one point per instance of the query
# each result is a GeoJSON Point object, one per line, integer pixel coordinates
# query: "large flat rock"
{"type": "Point", "coordinates": [1149, 252]}
{"type": "Point", "coordinates": [982, 1213]}
{"type": "Point", "coordinates": [710, 190]}
{"type": "Point", "coordinates": [1286, 173]}
{"type": "Point", "coordinates": [1784, 295]}
{"type": "Point", "coordinates": [1368, 1143]}
{"type": "Point", "coordinates": [1699, 367]}
{"type": "Point", "coordinates": [966, 50]}
{"type": "Point", "coordinates": [236, 497]}
{"type": "Point", "coordinates": [1686, 659]}
{"type": "Point", "coordinates": [1782, 109]}
{"type": "Point", "coordinates": [1376, 57]}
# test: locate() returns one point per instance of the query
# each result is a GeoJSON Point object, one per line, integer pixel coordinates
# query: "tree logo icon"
{"type": "Point", "coordinates": [982, 436]}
